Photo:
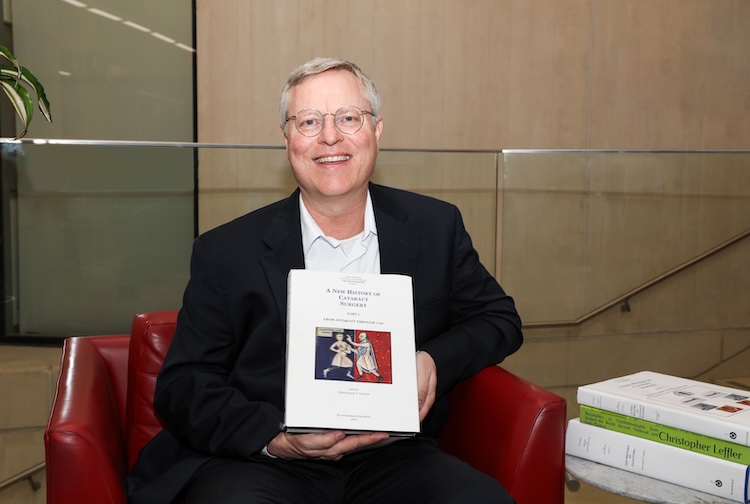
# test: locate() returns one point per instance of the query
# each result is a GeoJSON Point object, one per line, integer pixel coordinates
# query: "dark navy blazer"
{"type": "Point", "coordinates": [221, 388]}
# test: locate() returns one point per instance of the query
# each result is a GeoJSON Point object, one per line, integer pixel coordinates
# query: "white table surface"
{"type": "Point", "coordinates": [636, 486]}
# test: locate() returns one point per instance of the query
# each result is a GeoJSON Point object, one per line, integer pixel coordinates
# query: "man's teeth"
{"type": "Point", "coordinates": [331, 159]}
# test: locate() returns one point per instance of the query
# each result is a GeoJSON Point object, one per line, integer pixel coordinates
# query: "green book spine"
{"type": "Point", "coordinates": [666, 435]}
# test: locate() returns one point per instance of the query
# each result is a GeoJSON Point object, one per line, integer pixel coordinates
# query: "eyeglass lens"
{"type": "Point", "coordinates": [348, 120]}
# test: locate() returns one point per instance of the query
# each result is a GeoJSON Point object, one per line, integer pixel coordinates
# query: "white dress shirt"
{"type": "Point", "coordinates": [358, 254]}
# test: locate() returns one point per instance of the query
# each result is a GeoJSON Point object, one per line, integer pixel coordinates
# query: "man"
{"type": "Point", "coordinates": [365, 355]}
{"type": "Point", "coordinates": [220, 392]}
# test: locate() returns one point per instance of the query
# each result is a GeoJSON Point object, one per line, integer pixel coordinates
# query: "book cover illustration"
{"type": "Point", "coordinates": [353, 355]}
{"type": "Point", "coordinates": [706, 398]}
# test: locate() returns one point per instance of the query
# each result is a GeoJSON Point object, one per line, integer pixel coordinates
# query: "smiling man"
{"type": "Point", "coordinates": [333, 155]}
{"type": "Point", "coordinates": [220, 391]}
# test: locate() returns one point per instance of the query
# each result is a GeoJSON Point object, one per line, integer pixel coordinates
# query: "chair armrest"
{"type": "Point", "coordinates": [83, 440]}
{"type": "Point", "coordinates": [512, 430]}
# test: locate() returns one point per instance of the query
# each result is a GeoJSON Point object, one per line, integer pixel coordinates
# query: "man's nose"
{"type": "Point", "coordinates": [330, 134]}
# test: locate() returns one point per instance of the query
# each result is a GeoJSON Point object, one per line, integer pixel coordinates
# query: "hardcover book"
{"type": "Point", "coordinates": [712, 410]}
{"type": "Point", "coordinates": [711, 475]}
{"type": "Point", "coordinates": [664, 434]}
{"type": "Point", "coordinates": [351, 356]}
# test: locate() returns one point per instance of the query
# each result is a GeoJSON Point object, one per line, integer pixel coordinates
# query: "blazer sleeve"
{"type": "Point", "coordinates": [197, 393]}
{"type": "Point", "coordinates": [480, 325]}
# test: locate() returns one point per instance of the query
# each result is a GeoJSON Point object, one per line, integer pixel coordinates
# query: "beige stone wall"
{"type": "Point", "coordinates": [516, 74]}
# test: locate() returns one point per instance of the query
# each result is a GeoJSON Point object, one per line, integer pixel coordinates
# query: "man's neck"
{"type": "Point", "coordinates": [338, 218]}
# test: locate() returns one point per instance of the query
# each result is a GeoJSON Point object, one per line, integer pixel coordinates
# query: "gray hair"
{"type": "Point", "coordinates": [320, 65]}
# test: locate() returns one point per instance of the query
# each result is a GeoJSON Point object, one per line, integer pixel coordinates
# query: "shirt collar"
{"type": "Point", "coordinates": [312, 232]}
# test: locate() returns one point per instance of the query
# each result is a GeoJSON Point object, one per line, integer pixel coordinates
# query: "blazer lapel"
{"type": "Point", "coordinates": [399, 241]}
{"type": "Point", "coordinates": [284, 239]}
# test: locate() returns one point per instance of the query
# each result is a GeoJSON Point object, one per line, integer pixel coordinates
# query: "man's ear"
{"type": "Point", "coordinates": [379, 129]}
{"type": "Point", "coordinates": [286, 139]}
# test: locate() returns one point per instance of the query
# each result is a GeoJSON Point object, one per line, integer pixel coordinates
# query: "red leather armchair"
{"type": "Point", "coordinates": [102, 416]}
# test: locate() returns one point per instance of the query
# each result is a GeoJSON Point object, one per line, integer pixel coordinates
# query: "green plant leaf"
{"type": "Point", "coordinates": [19, 97]}
{"type": "Point", "coordinates": [12, 80]}
{"type": "Point", "coordinates": [6, 53]}
{"type": "Point", "coordinates": [9, 74]}
{"type": "Point", "coordinates": [40, 95]}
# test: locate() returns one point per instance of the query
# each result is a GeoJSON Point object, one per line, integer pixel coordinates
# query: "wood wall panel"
{"type": "Point", "coordinates": [492, 74]}
{"type": "Point", "coordinates": [672, 74]}
{"type": "Point", "coordinates": [549, 71]}
{"type": "Point", "coordinates": [484, 74]}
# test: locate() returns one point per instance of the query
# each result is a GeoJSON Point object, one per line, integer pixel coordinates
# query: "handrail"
{"type": "Point", "coordinates": [219, 145]}
{"type": "Point", "coordinates": [623, 299]}
{"type": "Point", "coordinates": [27, 475]}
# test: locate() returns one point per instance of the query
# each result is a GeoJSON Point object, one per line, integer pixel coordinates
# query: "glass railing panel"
{"type": "Point", "coordinates": [542, 233]}
{"type": "Point", "coordinates": [235, 181]}
{"type": "Point", "coordinates": [98, 231]}
{"type": "Point", "coordinates": [95, 232]}
{"type": "Point", "coordinates": [466, 179]}
{"type": "Point", "coordinates": [582, 228]}
{"type": "Point", "coordinates": [93, 235]}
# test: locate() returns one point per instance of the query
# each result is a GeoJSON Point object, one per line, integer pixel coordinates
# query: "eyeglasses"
{"type": "Point", "coordinates": [348, 120]}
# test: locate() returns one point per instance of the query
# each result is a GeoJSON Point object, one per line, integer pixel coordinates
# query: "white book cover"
{"type": "Point", "coordinates": [712, 410]}
{"type": "Point", "coordinates": [351, 353]}
{"type": "Point", "coordinates": [700, 472]}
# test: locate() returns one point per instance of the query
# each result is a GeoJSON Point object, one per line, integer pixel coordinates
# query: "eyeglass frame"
{"type": "Point", "coordinates": [322, 125]}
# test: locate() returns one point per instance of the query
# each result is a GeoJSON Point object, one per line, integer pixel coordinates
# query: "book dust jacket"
{"type": "Point", "coordinates": [351, 356]}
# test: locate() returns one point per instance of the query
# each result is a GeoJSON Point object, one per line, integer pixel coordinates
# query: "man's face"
{"type": "Point", "coordinates": [331, 164]}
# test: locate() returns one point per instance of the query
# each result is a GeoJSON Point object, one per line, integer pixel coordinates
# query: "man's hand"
{"type": "Point", "coordinates": [333, 445]}
{"type": "Point", "coordinates": [325, 446]}
{"type": "Point", "coordinates": [426, 383]}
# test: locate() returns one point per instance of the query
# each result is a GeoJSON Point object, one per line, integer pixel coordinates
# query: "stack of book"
{"type": "Point", "coordinates": [682, 431]}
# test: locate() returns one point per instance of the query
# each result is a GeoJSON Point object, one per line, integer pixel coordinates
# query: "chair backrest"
{"type": "Point", "coordinates": [150, 338]}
